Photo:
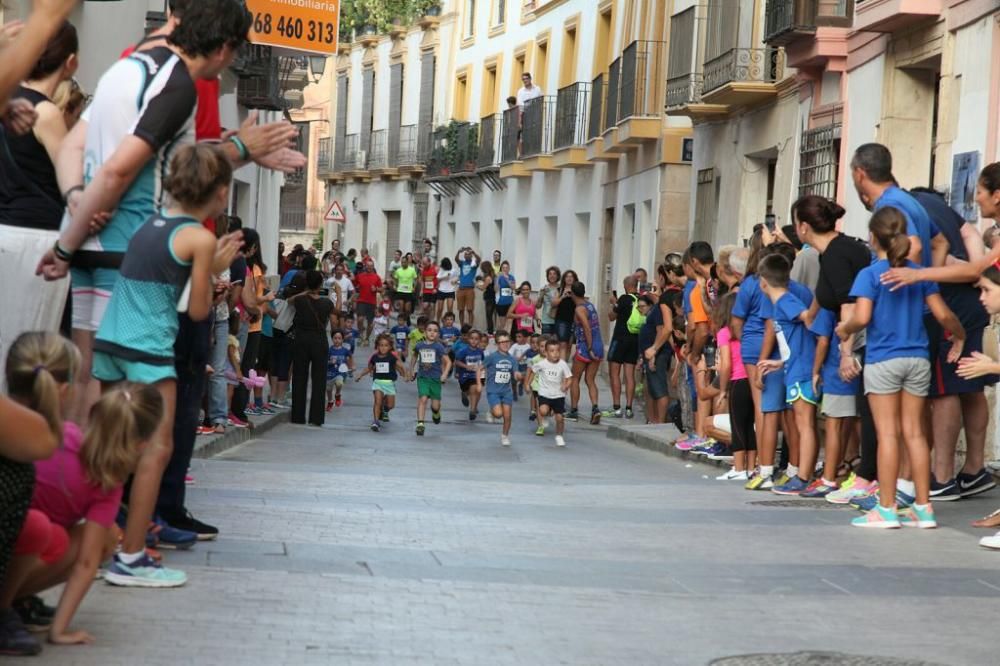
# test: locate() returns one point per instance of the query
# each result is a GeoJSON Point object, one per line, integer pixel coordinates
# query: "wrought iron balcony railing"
{"type": "Point", "coordinates": [377, 158]}
{"type": "Point", "coordinates": [324, 153]}
{"type": "Point", "coordinates": [572, 106]}
{"type": "Point", "coordinates": [409, 153]}
{"type": "Point", "coordinates": [785, 16]}
{"type": "Point", "coordinates": [350, 154]}
{"type": "Point", "coordinates": [537, 126]}
{"type": "Point", "coordinates": [598, 92]}
{"type": "Point", "coordinates": [611, 101]}
{"type": "Point", "coordinates": [489, 141]}
{"type": "Point", "coordinates": [743, 65]}
{"type": "Point", "coordinates": [510, 130]}
{"type": "Point", "coordinates": [683, 90]}
{"type": "Point", "coordinates": [642, 63]}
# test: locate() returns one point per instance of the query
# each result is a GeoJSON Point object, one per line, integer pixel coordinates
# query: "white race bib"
{"type": "Point", "coordinates": [506, 291]}
{"type": "Point", "coordinates": [527, 322]}
{"type": "Point", "coordinates": [382, 367]}
{"type": "Point", "coordinates": [428, 284]}
{"type": "Point", "coordinates": [343, 368]}
{"type": "Point", "coordinates": [404, 288]}
{"type": "Point", "coordinates": [502, 377]}
{"type": "Point", "coordinates": [427, 356]}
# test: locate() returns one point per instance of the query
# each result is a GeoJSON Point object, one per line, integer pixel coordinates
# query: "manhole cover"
{"type": "Point", "coordinates": [797, 504]}
{"type": "Point", "coordinates": [815, 659]}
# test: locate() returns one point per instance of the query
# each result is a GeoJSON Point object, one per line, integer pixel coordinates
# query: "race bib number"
{"type": "Point", "coordinates": [506, 292]}
{"type": "Point", "coordinates": [342, 368]}
{"type": "Point", "coordinates": [428, 284]}
{"type": "Point", "coordinates": [428, 356]}
{"type": "Point", "coordinates": [502, 377]}
{"type": "Point", "coordinates": [400, 337]}
{"type": "Point", "coordinates": [527, 322]}
{"type": "Point", "coordinates": [382, 367]}
{"type": "Point", "coordinates": [405, 288]}
{"type": "Point", "coordinates": [553, 375]}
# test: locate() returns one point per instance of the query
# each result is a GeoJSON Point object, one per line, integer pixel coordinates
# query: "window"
{"type": "Point", "coordinates": [470, 18]}
{"type": "Point", "coordinates": [818, 166]}
{"type": "Point", "coordinates": [460, 110]}
{"type": "Point", "coordinates": [567, 61]}
{"type": "Point", "coordinates": [499, 12]}
{"type": "Point", "coordinates": [541, 64]}
{"type": "Point", "coordinates": [518, 70]}
{"type": "Point", "coordinates": [602, 45]}
{"type": "Point", "coordinates": [489, 103]}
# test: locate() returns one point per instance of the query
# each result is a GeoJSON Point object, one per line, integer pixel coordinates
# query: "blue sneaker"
{"type": "Point", "coordinates": [973, 484]}
{"type": "Point", "coordinates": [143, 573]}
{"type": "Point", "coordinates": [170, 538]}
{"type": "Point", "coordinates": [869, 502]}
{"type": "Point", "coordinates": [704, 447]}
{"type": "Point", "coordinates": [945, 492]}
{"type": "Point", "coordinates": [794, 486]}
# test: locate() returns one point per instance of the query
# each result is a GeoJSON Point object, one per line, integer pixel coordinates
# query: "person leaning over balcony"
{"type": "Point", "coordinates": [528, 91]}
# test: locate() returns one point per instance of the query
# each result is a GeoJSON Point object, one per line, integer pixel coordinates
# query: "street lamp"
{"type": "Point", "coordinates": [317, 65]}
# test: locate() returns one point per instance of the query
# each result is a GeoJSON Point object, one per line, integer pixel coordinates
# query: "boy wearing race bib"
{"type": "Point", "coordinates": [553, 376]}
{"type": "Point", "coordinates": [518, 351]}
{"type": "Point", "coordinates": [339, 361]}
{"type": "Point", "coordinates": [430, 358]}
{"type": "Point", "coordinates": [400, 333]}
{"type": "Point", "coordinates": [499, 371]}
{"type": "Point", "coordinates": [385, 368]}
{"type": "Point", "coordinates": [535, 353]}
{"type": "Point", "coordinates": [468, 358]}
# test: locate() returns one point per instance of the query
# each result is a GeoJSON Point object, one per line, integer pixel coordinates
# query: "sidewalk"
{"type": "Point", "coordinates": [207, 446]}
{"type": "Point", "coordinates": [659, 438]}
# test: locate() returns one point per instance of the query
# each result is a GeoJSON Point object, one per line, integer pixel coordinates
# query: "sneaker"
{"type": "Point", "coordinates": [732, 475]}
{"type": "Point", "coordinates": [782, 479]}
{"type": "Point", "coordinates": [465, 400]}
{"type": "Point", "coordinates": [850, 489]}
{"type": "Point", "coordinates": [818, 489]}
{"type": "Point", "coordinates": [973, 484]}
{"type": "Point", "coordinates": [504, 440]}
{"type": "Point", "coordinates": [338, 401]}
{"type": "Point", "coordinates": [188, 523]}
{"type": "Point", "coordinates": [266, 410]}
{"type": "Point", "coordinates": [560, 441]}
{"type": "Point", "coordinates": [15, 640]}
{"type": "Point", "coordinates": [612, 413]}
{"type": "Point", "coordinates": [595, 416]}
{"type": "Point", "coordinates": [473, 415]}
{"type": "Point", "coordinates": [688, 443]}
{"type": "Point", "coordinates": [540, 431]}
{"type": "Point", "coordinates": [385, 416]}
{"type": "Point", "coordinates": [206, 430]}
{"type": "Point", "coordinates": [573, 415]}
{"type": "Point", "coordinates": [629, 414]}
{"type": "Point", "coordinates": [794, 486]}
{"type": "Point", "coordinates": [420, 428]}
{"type": "Point", "coordinates": [489, 418]}
{"type": "Point", "coordinates": [34, 614]}
{"type": "Point", "coordinates": [716, 451]}
{"type": "Point", "coordinates": [945, 492]}
{"type": "Point", "coordinates": [436, 417]}
{"type": "Point", "coordinates": [189, 480]}
{"type": "Point", "coordinates": [170, 538]}
{"type": "Point", "coordinates": [375, 426]}
{"type": "Point", "coordinates": [992, 542]}
{"type": "Point", "coordinates": [237, 422]}
{"type": "Point", "coordinates": [869, 502]}
{"type": "Point", "coordinates": [329, 406]}
{"type": "Point", "coordinates": [252, 410]}
{"type": "Point", "coordinates": [878, 518]}
{"type": "Point", "coordinates": [532, 416]}
{"type": "Point", "coordinates": [758, 482]}
{"type": "Point", "coordinates": [143, 573]}
{"type": "Point", "coordinates": [914, 516]}
{"type": "Point", "coordinates": [277, 406]}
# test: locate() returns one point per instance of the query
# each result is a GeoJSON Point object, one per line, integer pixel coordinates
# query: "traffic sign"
{"type": "Point", "coordinates": [335, 213]}
{"type": "Point", "coordinates": [305, 26]}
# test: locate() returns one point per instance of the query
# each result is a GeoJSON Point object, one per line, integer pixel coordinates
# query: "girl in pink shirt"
{"type": "Point", "coordinates": [79, 488]}
{"type": "Point", "coordinates": [741, 411]}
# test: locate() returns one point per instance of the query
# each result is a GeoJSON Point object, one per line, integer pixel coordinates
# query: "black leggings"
{"type": "Point", "coordinates": [868, 469]}
{"type": "Point", "coordinates": [741, 414]}
{"type": "Point", "coordinates": [309, 350]}
{"type": "Point", "coordinates": [491, 308]}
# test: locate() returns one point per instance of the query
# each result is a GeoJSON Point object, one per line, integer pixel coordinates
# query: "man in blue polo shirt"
{"type": "Point", "coordinates": [468, 263]}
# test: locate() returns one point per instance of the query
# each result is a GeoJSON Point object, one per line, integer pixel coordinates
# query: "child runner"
{"type": "Point", "coordinates": [385, 368]}
{"type": "Point", "coordinates": [430, 358]}
{"type": "Point", "coordinates": [897, 369]}
{"type": "Point", "coordinates": [400, 333]}
{"type": "Point", "coordinates": [498, 370]}
{"type": "Point", "coordinates": [589, 353]}
{"type": "Point", "coordinates": [554, 376]}
{"type": "Point", "coordinates": [135, 341]}
{"type": "Point", "coordinates": [536, 351]}
{"type": "Point", "coordinates": [518, 350]}
{"type": "Point", "coordinates": [381, 323]}
{"type": "Point", "coordinates": [351, 334]}
{"type": "Point", "coordinates": [417, 333]}
{"type": "Point", "coordinates": [839, 407]}
{"type": "Point", "coordinates": [468, 358]}
{"type": "Point", "coordinates": [797, 348]}
{"type": "Point", "coordinates": [338, 364]}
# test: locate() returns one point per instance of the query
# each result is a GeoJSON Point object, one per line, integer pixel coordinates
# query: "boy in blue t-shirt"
{"type": "Point", "coordinates": [468, 358]}
{"type": "Point", "coordinates": [797, 350]}
{"type": "Point", "coordinates": [449, 332]}
{"type": "Point", "coordinates": [499, 371]}
{"type": "Point", "coordinates": [432, 365]}
{"type": "Point", "coordinates": [339, 362]}
{"type": "Point", "coordinates": [839, 405]}
{"type": "Point", "coordinates": [350, 334]}
{"type": "Point", "coordinates": [400, 335]}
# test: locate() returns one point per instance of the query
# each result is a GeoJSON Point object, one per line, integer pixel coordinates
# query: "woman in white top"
{"type": "Point", "coordinates": [447, 282]}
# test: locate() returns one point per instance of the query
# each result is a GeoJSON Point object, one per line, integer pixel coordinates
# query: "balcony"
{"type": "Point", "coordinates": [510, 140]}
{"type": "Point", "coordinates": [324, 155]}
{"type": "Point", "coordinates": [260, 88]}
{"type": "Point", "coordinates": [252, 60]}
{"type": "Point", "coordinates": [351, 158]}
{"type": "Point", "coordinates": [537, 132]}
{"type": "Point", "coordinates": [638, 118]}
{"type": "Point", "coordinates": [893, 15]}
{"type": "Point", "coordinates": [453, 161]}
{"type": "Point", "coordinates": [611, 106]}
{"type": "Point", "coordinates": [378, 157]}
{"type": "Point", "coordinates": [488, 155]}
{"type": "Point", "coordinates": [410, 157]}
{"type": "Point", "coordinates": [742, 77]}
{"type": "Point", "coordinates": [570, 140]}
{"type": "Point", "coordinates": [595, 122]}
{"type": "Point", "coordinates": [787, 20]}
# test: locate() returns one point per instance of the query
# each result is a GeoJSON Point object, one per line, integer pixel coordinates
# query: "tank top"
{"type": "Point", "coordinates": [594, 323]}
{"type": "Point", "coordinates": [141, 320]}
{"type": "Point", "coordinates": [29, 191]}
{"type": "Point", "coordinates": [525, 313]}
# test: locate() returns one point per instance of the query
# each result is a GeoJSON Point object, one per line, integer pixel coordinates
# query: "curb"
{"type": "Point", "coordinates": [659, 443]}
{"type": "Point", "coordinates": [208, 447]}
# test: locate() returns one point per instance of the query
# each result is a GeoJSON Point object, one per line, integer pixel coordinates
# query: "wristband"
{"type": "Point", "coordinates": [241, 147]}
{"type": "Point", "coordinates": [75, 188]}
{"type": "Point", "coordinates": [60, 253]}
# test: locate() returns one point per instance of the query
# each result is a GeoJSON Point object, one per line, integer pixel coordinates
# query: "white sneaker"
{"type": "Point", "coordinates": [504, 440]}
{"type": "Point", "coordinates": [992, 542]}
{"type": "Point", "coordinates": [560, 441]}
{"type": "Point", "coordinates": [733, 475]}
{"type": "Point", "coordinates": [489, 418]}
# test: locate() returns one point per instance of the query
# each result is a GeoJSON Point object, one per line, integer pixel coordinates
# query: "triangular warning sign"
{"type": "Point", "coordinates": [335, 213]}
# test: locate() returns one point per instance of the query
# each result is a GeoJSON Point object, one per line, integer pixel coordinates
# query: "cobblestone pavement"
{"type": "Point", "coordinates": [341, 546]}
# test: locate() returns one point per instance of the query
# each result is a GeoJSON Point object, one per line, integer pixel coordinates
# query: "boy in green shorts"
{"type": "Point", "coordinates": [430, 358]}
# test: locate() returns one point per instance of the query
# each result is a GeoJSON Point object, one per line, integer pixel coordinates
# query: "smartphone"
{"type": "Point", "coordinates": [614, 292]}
{"type": "Point", "coordinates": [324, 292]}
{"type": "Point", "coordinates": [710, 352]}
{"type": "Point", "coordinates": [770, 223]}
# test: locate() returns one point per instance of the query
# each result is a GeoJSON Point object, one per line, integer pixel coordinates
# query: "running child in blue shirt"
{"type": "Point", "coordinates": [350, 334]}
{"type": "Point", "coordinates": [499, 372]}
{"type": "Point", "coordinates": [468, 358]}
{"type": "Point", "coordinates": [400, 333]}
{"type": "Point", "coordinates": [430, 359]}
{"type": "Point", "coordinates": [385, 368]}
{"type": "Point", "coordinates": [339, 362]}
{"type": "Point", "coordinates": [797, 351]}
{"type": "Point", "coordinates": [897, 369]}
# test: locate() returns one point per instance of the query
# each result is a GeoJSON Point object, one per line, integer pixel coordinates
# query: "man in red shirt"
{"type": "Point", "coordinates": [429, 285]}
{"type": "Point", "coordinates": [369, 289]}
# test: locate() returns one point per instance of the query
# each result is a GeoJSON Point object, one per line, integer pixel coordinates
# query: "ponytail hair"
{"type": "Point", "coordinates": [123, 418]}
{"type": "Point", "coordinates": [888, 226]}
{"type": "Point", "coordinates": [820, 213]}
{"type": "Point", "coordinates": [38, 364]}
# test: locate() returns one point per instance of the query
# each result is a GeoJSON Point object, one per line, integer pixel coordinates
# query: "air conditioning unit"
{"type": "Point", "coordinates": [362, 159]}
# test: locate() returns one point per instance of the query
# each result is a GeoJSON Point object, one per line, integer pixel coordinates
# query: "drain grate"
{"type": "Point", "coordinates": [797, 504]}
{"type": "Point", "coordinates": [814, 659]}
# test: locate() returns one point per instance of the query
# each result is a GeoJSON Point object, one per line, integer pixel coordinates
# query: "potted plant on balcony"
{"type": "Point", "coordinates": [427, 7]}
{"type": "Point", "coordinates": [471, 147]}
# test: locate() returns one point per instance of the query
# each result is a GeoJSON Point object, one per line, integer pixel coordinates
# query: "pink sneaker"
{"type": "Point", "coordinates": [237, 421]}
{"type": "Point", "coordinates": [689, 443]}
{"type": "Point", "coordinates": [188, 479]}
